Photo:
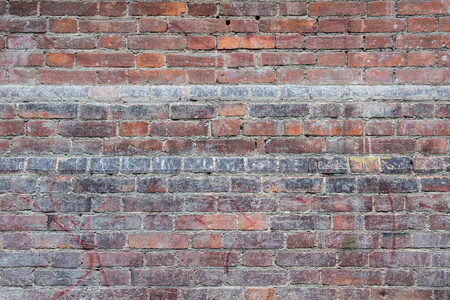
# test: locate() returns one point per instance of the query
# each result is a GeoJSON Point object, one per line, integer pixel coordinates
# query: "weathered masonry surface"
{"type": "Point", "coordinates": [231, 150]}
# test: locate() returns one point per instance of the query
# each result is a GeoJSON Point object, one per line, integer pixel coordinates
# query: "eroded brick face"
{"type": "Point", "coordinates": [224, 150]}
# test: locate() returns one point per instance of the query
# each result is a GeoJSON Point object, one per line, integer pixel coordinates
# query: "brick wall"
{"type": "Point", "coordinates": [230, 150]}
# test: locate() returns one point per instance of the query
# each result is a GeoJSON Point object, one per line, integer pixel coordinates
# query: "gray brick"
{"type": "Point", "coordinates": [13, 91]}
{"type": "Point", "coordinates": [65, 277]}
{"type": "Point", "coordinates": [234, 93]}
{"type": "Point", "coordinates": [11, 164]}
{"type": "Point", "coordinates": [279, 110]}
{"type": "Point", "coordinates": [341, 185]}
{"type": "Point", "coordinates": [104, 165]}
{"type": "Point", "coordinates": [166, 93]}
{"type": "Point", "coordinates": [72, 165]}
{"type": "Point", "coordinates": [93, 112]}
{"type": "Point", "coordinates": [356, 92]}
{"type": "Point", "coordinates": [135, 165]}
{"type": "Point", "coordinates": [230, 164]}
{"type": "Point", "coordinates": [418, 92]}
{"type": "Point", "coordinates": [294, 165]}
{"type": "Point", "coordinates": [442, 92]}
{"type": "Point", "coordinates": [204, 92]}
{"type": "Point", "coordinates": [44, 91]}
{"type": "Point", "coordinates": [17, 277]}
{"type": "Point", "coordinates": [25, 185]}
{"type": "Point", "coordinates": [326, 92]}
{"type": "Point", "coordinates": [75, 92]}
{"type": "Point", "coordinates": [166, 164]}
{"type": "Point", "coordinates": [295, 92]}
{"type": "Point", "coordinates": [394, 165]}
{"type": "Point", "coordinates": [333, 165]}
{"type": "Point", "coordinates": [387, 92]}
{"type": "Point", "coordinates": [198, 164]}
{"type": "Point", "coordinates": [265, 92]}
{"type": "Point", "coordinates": [262, 164]}
{"type": "Point", "coordinates": [135, 92]}
{"type": "Point", "coordinates": [41, 164]}
{"type": "Point", "coordinates": [139, 111]}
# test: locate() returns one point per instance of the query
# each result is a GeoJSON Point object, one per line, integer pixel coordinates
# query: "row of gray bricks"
{"type": "Point", "coordinates": [237, 92]}
{"type": "Point", "coordinates": [167, 165]}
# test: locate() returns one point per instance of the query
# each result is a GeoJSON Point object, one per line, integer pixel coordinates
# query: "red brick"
{"type": "Point", "coordinates": [240, 60]}
{"type": "Point", "coordinates": [331, 59]}
{"type": "Point", "coordinates": [380, 128]}
{"type": "Point", "coordinates": [287, 25]}
{"type": "Point", "coordinates": [157, 76]}
{"type": "Point", "coordinates": [414, 41]}
{"type": "Point", "coordinates": [155, 43]}
{"type": "Point", "coordinates": [347, 277]}
{"type": "Point", "coordinates": [65, 42]}
{"type": "Point", "coordinates": [207, 259]}
{"type": "Point", "coordinates": [209, 222]}
{"type": "Point", "coordinates": [20, 42]}
{"type": "Point", "coordinates": [301, 240]}
{"type": "Point", "coordinates": [379, 76]}
{"type": "Point", "coordinates": [114, 76]}
{"type": "Point", "coordinates": [60, 59]}
{"type": "Point", "coordinates": [243, 25]}
{"type": "Point", "coordinates": [41, 146]}
{"type": "Point", "coordinates": [290, 41]}
{"type": "Point", "coordinates": [198, 25]}
{"type": "Point", "coordinates": [433, 146]}
{"type": "Point", "coordinates": [332, 127]}
{"type": "Point", "coordinates": [22, 8]}
{"type": "Point", "coordinates": [244, 76]}
{"type": "Point", "coordinates": [152, 60]}
{"type": "Point", "coordinates": [41, 128]}
{"type": "Point", "coordinates": [66, 76]}
{"type": "Point", "coordinates": [179, 146]}
{"type": "Point", "coordinates": [178, 128]}
{"type": "Point", "coordinates": [113, 9]}
{"type": "Point", "coordinates": [133, 128]}
{"type": "Point", "coordinates": [333, 25]}
{"type": "Point", "coordinates": [294, 146]}
{"type": "Point", "coordinates": [87, 128]}
{"type": "Point", "coordinates": [111, 42]}
{"type": "Point", "coordinates": [334, 42]}
{"type": "Point", "coordinates": [292, 8]}
{"type": "Point", "coordinates": [443, 110]}
{"type": "Point", "coordinates": [187, 60]}
{"type": "Point", "coordinates": [384, 59]}
{"type": "Point", "coordinates": [444, 24]}
{"type": "Point", "coordinates": [22, 76]}
{"type": "Point", "coordinates": [157, 8]}
{"type": "Point", "coordinates": [225, 127]}
{"type": "Point", "coordinates": [63, 25]}
{"type": "Point", "coordinates": [105, 60]}
{"type": "Point", "coordinates": [201, 76]}
{"type": "Point", "coordinates": [421, 8]}
{"type": "Point", "coordinates": [104, 26]}
{"type": "Point", "coordinates": [200, 42]}
{"type": "Point", "coordinates": [283, 59]}
{"type": "Point", "coordinates": [152, 25]}
{"type": "Point", "coordinates": [333, 76]}
{"type": "Point", "coordinates": [417, 76]}
{"type": "Point", "coordinates": [23, 25]}
{"type": "Point", "coordinates": [420, 127]}
{"type": "Point", "coordinates": [245, 42]}
{"type": "Point", "coordinates": [444, 59]}
{"type": "Point", "coordinates": [379, 41]}
{"type": "Point", "coordinates": [336, 9]}
{"type": "Point", "coordinates": [21, 59]}
{"type": "Point", "coordinates": [202, 9]}
{"type": "Point", "coordinates": [421, 24]}
{"type": "Point", "coordinates": [11, 128]}
{"type": "Point", "coordinates": [248, 9]}
{"type": "Point", "coordinates": [386, 146]}
{"type": "Point", "coordinates": [259, 293]}
{"type": "Point", "coordinates": [381, 8]}
{"type": "Point", "coordinates": [72, 8]}
{"type": "Point", "coordinates": [419, 59]}
{"type": "Point", "coordinates": [231, 109]}
{"type": "Point", "coordinates": [206, 240]}
{"type": "Point", "coordinates": [377, 25]}
{"type": "Point", "coordinates": [290, 76]}
{"type": "Point", "coordinates": [158, 240]}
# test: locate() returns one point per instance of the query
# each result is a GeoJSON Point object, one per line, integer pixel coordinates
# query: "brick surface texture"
{"type": "Point", "coordinates": [224, 150]}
